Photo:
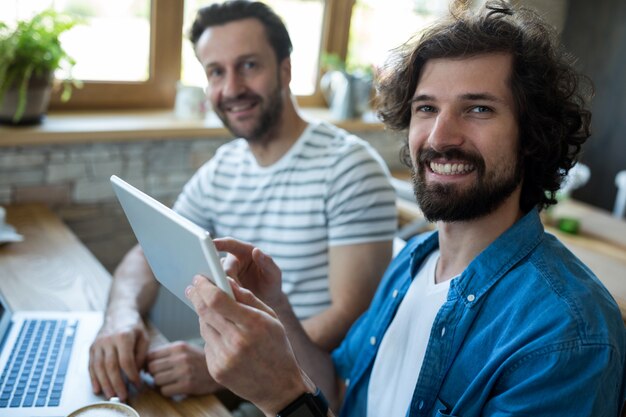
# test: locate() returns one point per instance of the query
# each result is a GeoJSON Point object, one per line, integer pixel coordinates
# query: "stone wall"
{"type": "Point", "coordinates": [73, 180]}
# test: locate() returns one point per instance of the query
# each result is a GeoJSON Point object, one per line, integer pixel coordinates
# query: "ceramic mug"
{"type": "Point", "coordinates": [191, 102]}
{"type": "Point", "coordinates": [111, 408]}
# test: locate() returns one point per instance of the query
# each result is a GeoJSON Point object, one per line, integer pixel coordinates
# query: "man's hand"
{"type": "Point", "coordinates": [246, 347]}
{"type": "Point", "coordinates": [120, 348]}
{"type": "Point", "coordinates": [180, 368]}
{"type": "Point", "coordinates": [252, 269]}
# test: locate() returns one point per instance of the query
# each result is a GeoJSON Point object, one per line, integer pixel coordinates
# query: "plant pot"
{"type": "Point", "coordinates": [37, 100]}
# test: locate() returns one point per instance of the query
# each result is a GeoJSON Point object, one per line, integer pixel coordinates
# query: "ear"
{"type": "Point", "coordinates": [285, 72]}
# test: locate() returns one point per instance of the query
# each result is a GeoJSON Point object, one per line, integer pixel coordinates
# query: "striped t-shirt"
{"type": "Point", "coordinates": [331, 188]}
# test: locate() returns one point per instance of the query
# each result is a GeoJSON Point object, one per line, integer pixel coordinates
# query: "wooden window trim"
{"type": "Point", "coordinates": [160, 89]}
{"type": "Point", "coordinates": [335, 35]}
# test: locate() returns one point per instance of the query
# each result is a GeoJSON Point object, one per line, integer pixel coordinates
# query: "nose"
{"type": "Point", "coordinates": [233, 84]}
{"type": "Point", "coordinates": [446, 131]}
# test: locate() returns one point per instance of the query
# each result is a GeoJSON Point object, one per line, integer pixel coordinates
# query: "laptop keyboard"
{"type": "Point", "coordinates": [35, 372]}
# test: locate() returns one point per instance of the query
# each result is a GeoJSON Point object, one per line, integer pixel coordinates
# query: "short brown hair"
{"type": "Point", "coordinates": [221, 13]}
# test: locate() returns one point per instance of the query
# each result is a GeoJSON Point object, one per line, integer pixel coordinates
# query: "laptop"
{"type": "Point", "coordinates": [176, 248]}
{"type": "Point", "coordinates": [44, 360]}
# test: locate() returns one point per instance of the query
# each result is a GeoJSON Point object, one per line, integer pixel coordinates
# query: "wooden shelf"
{"type": "Point", "coordinates": [114, 126]}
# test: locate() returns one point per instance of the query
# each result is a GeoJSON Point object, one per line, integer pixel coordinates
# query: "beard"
{"type": "Point", "coordinates": [266, 122]}
{"type": "Point", "coordinates": [453, 203]}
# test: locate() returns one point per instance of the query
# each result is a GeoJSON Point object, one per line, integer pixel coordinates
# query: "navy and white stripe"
{"type": "Point", "coordinates": [331, 188]}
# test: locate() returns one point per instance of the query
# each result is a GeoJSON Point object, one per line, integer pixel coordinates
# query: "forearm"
{"type": "Point", "coordinates": [134, 287]}
{"type": "Point", "coordinates": [122, 343]}
{"type": "Point", "coordinates": [328, 328]}
{"type": "Point", "coordinates": [314, 360]}
{"type": "Point", "coordinates": [354, 274]}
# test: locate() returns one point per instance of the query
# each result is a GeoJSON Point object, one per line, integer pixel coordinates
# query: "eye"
{"type": "Point", "coordinates": [214, 72]}
{"type": "Point", "coordinates": [248, 65]}
{"type": "Point", "coordinates": [424, 109]}
{"type": "Point", "coordinates": [481, 109]}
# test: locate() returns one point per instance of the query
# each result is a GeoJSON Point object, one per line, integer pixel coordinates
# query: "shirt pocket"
{"type": "Point", "coordinates": [441, 410]}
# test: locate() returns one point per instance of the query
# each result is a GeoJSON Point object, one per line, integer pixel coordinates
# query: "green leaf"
{"type": "Point", "coordinates": [32, 48]}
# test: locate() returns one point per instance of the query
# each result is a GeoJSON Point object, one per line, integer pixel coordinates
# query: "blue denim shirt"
{"type": "Point", "coordinates": [527, 330]}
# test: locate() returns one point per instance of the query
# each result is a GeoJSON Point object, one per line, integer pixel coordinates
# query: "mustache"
{"type": "Point", "coordinates": [425, 156]}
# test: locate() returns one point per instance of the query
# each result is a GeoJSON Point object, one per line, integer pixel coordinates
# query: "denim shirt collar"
{"type": "Point", "coordinates": [492, 263]}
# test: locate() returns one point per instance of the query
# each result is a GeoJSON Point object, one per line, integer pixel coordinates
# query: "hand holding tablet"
{"type": "Point", "coordinates": [176, 248]}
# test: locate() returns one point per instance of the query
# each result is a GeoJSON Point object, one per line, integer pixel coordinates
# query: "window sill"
{"type": "Point", "coordinates": [115, 126]}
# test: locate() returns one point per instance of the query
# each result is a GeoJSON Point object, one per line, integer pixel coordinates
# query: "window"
{"type": "Point", "coordinates": [370, 38]}
{"type": "Point", "coordinates": [121, 57]}
{"type": "Point", "coordinates": [136, 52]}
{"type": "Point", "coordinates": [159, 50]}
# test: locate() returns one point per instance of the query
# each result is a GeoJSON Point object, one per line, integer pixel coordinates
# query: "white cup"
{"type": "Point", "coordinates": [112, 408]}
{"type": "Point", "coordinates": [2, 217]}
{"type": "Point", "coordinates": [191, 102]}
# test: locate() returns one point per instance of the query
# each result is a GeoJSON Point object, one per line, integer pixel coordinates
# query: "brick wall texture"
{"type": "Point", "coordinates": [73, 180]}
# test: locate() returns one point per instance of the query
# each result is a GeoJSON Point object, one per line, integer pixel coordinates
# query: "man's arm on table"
{"type": "Point", "coordinates": [122, 343]}
{"type": "Point", "coordinates": [354, 274]}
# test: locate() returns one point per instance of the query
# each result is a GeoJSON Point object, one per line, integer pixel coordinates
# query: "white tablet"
{"type": "Point", "coordinates": [175, 247]}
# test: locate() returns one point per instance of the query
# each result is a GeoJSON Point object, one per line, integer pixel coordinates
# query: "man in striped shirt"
{"type": "Point", "coordinates": [314, 197]}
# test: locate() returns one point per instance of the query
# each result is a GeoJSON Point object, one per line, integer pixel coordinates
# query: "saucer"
{"type": "Point", "coordinates": [8, 234]}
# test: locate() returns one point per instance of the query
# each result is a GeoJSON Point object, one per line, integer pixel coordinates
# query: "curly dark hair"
{"type": "Point", "coordinates": [550, 96]}
{"type": "Point", "coordinates": [229, 11]}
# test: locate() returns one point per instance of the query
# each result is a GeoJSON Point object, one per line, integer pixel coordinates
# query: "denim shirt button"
{"type": "Point", "coordinates": [372, 340]}
{"type": "Point", "coordinates": [394, 294]}
{"type": "Point", "coordinates": [347, 382]}
{"type": "Point", "coordinates": [421, 405]}
{"type": "Point", "coordinates": [471, 297]}
{"type": "Point", "coordinates": [443, 331]}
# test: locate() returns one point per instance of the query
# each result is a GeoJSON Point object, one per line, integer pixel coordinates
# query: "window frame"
{"type": "Point", "coordinates": [159, 91]}
{"type": "Point", "coordinates": [335, 37]}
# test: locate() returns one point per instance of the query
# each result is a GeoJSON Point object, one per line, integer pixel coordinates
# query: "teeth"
{"type": "Point", "coordinates": [240, 107]}
{"type": "Point", "coordinates": [451, 169]}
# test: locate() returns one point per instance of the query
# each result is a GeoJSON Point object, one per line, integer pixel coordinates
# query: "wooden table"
{"type": "Point", "coordinates": [594, 222]}
{"type": "Point", "coordinates": [52, 270]}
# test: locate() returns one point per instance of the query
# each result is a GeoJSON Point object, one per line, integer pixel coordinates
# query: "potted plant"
{"type": "Point", "coordinates": [29, 55]}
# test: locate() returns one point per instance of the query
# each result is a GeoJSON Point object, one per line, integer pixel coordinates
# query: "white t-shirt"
{"type": "Point", "coordinates": [331, 188]}
{"type": "Point", "coordinates": [401, 353]}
